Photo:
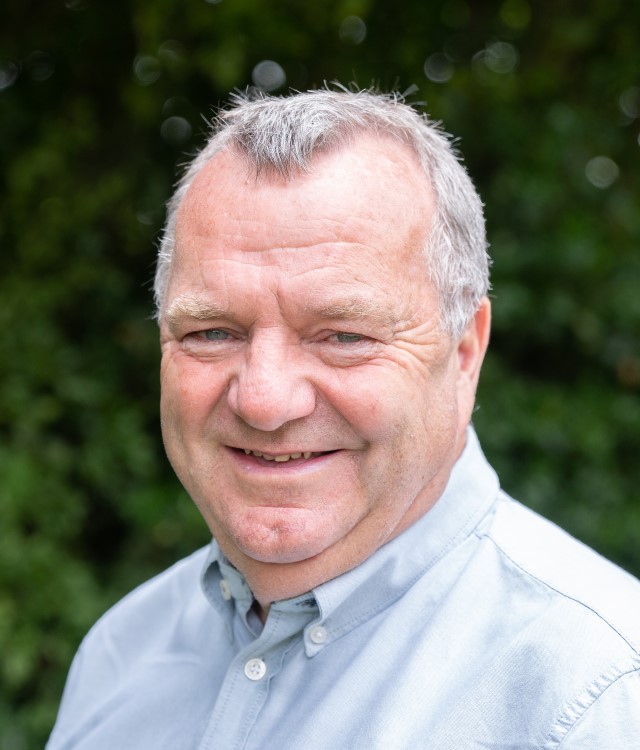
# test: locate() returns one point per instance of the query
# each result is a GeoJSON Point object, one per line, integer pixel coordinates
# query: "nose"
{"type": "Point", "coordinates": [271, 386]}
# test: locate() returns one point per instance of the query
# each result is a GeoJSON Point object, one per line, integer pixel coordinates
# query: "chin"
{"type": "Point", "coordinates": [280, 543]}
{"type": "Point", "coordinates": [284, 548]}
{"type": "Point", "coordinates": [278, 557]}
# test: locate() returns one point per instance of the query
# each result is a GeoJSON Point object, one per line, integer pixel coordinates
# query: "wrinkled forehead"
{"type": "Point", "coordinates": [371, 176]}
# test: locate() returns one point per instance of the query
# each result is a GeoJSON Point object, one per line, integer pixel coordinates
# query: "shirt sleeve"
{"type": "Point", "coordinates": [66, 709]}
{"type": "Point", "coordinates": [612, 721]}
{"type": "Point", "coordinates": [93, 671]}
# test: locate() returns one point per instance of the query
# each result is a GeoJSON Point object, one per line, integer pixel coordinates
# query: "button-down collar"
{"type": "Point", "coordinates": [341, 604]}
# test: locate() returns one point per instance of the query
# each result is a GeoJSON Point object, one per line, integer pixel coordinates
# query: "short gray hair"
{"type": "Point", "coordinates": [282, 135]}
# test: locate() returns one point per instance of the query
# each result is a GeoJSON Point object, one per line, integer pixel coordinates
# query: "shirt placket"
{"type": "Point", "coordinates": [245, 690]}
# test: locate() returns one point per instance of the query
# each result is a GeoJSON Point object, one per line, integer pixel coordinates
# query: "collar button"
{"type": "Point", "coordinates": [225, 589]}
{"type": "Point", "coordinates": [318, 634]}
{"type": "Point", "coordinates": [255, 669]}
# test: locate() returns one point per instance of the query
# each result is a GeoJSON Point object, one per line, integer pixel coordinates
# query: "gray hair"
{"type": "Point", "coordinates": [282, 135]}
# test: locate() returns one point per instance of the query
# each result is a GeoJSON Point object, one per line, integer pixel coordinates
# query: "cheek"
{"type": "Point", "coordinates": [384, 405]}
{"type": "Point", "coordinates": [189, 391]}
{"type": "Point", "coordinates": [367, 398]}
{"type": "Point", "coordinates": [409, 422]}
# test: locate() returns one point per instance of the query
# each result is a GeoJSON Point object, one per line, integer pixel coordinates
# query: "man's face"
{"type": "Point", "coordinates": [311, 405]}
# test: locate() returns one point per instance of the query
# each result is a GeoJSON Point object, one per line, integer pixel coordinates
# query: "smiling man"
{"type": "Point", "coordinates": [321, 292]}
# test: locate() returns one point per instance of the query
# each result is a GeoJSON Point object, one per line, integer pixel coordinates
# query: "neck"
{"type": "Point", "coordinates": [261, 611]}
{"type": "Point", "coordinates": [272, 581]}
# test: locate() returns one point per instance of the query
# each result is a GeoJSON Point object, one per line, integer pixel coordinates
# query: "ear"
{"type": "Point", "coordinates": [471, 350]}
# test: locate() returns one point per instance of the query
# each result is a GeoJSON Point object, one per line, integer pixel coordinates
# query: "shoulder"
{"type": "Point", "coordinates": [175, 586]}
{"type": "Point", "coordinates": [582, 623]}
{"type": "Point", "coordinates": [567, 570]}
{"type": "Point", "coordinates": [140, 622]}
{"type": "Point", "coordinates": [160, 615]}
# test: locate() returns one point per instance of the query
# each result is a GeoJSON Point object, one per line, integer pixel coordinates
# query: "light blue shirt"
{"type": "Point", "coordinates": [481, 626]}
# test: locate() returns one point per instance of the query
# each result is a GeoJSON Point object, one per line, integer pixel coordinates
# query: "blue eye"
{"type": "Point", "coordinates": [216, 334]}
{"type": "Point", "coordinates": [348, 338]}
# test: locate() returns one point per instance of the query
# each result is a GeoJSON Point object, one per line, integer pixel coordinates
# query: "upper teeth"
{"type": "Point", "coordinates": [282, 457]}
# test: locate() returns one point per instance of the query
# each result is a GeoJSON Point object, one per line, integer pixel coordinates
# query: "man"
{"type": "Point", "coordinates": [321, 293]}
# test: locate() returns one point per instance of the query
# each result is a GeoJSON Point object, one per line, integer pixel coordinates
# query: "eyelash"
{"type": "Point", "coordinates": [351, 338]}
{"type": "Point", "coordinates": [340, 337]}
{"type": "Point", "coordinates": [205, 336]}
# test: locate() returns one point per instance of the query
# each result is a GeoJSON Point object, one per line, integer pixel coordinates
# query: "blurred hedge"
{"type": "Point", "coordinates": [99, 103]}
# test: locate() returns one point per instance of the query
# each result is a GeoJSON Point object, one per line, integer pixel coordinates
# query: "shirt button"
{"type": "Point", "coordinates": [318, 634]}
{"type": "Point", "coordinates": [255, 669]}
{"type": "Point", "coordinates": [225, 589]}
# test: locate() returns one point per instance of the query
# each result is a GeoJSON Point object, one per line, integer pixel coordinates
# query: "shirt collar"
{"type": "Point", "coordinates": [357, 595]}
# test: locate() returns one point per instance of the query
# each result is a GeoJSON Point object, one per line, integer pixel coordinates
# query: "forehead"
{"type": "Point", "coordinates": [374, 186]}
{"type": "Point", "coordinates": [358, 221]}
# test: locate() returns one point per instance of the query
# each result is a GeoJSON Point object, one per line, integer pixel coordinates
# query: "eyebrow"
{"type": "Point", "coordinates": [188, 306]}
{"type": "Point", "coordinates": [352, 309]}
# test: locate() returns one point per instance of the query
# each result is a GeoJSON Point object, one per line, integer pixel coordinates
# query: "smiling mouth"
{"type": "Point", "coordinates": [284, 457]}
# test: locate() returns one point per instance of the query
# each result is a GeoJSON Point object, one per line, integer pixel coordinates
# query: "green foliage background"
{"type": "Point", "coordinates": [99, 103]}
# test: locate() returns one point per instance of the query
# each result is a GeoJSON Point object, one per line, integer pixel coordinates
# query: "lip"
{"type": "Point", "coordinates": [249, 462]}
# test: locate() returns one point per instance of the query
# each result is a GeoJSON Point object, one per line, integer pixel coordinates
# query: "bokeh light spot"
{"type": "Point", "coordinates": [40, 65]}
{"type": "Point", "coordinates": [176, 105]}
{"type": "Point", "coordinates": [171, 53]}
{"type": "Point", "coordinates": [501, 57]}
{"type": "Point", "coordinates": [175, 130]}
{"type": "Point", "coordinates": [490, 64]}
{"type": "Point", "coordinates": [146, 69]}
{"type": "Point", "coordinates": [145, 217]}
{"type": "Point", "coordinates": [353, 30]}
{"type": "Point", "coordinates": [601, 171]}
{"type": "Point", "coordinates": [9, 72]}
{"type": "Point", "coordinates": [438, 68]}
{"type": "Point", "coordinates": [630, 102]}
{"type": "Point", "coordinates": [268, 75]}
